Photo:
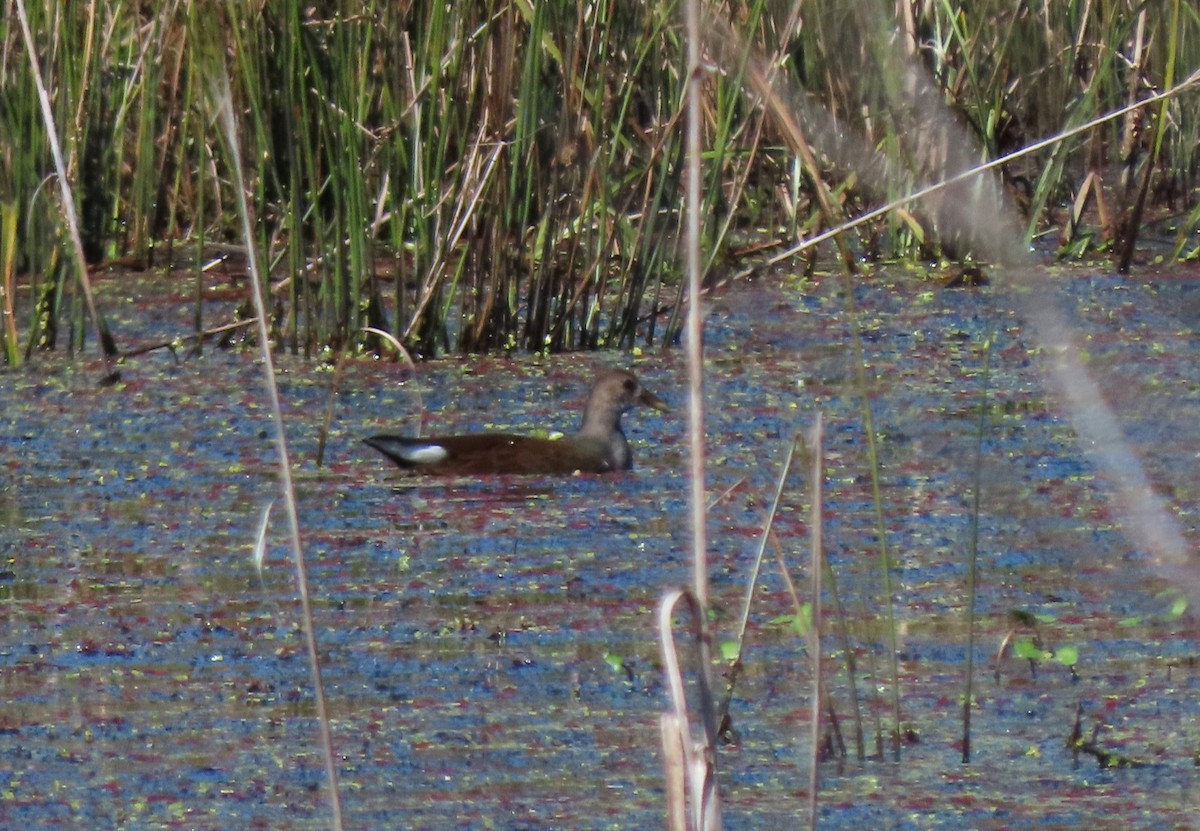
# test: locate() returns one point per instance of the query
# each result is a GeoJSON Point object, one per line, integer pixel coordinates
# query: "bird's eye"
{"type": "Point", "coordinates": [630, 385]}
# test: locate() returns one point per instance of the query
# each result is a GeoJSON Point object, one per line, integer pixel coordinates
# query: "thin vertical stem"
{"type": "Point", "coordinates": [695, 352]}
{"type": "Point", "coordinates": [695, 334]}
{"type": "Point", "coordinates": [223, 100]}
{"type": "Point", "coordinates": [818, 558]}
{"type": "Point", "coordinates": [973, 554]}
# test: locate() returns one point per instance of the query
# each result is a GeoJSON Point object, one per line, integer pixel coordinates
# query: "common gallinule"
{"type": "Point", "coordinates": [598, 447]}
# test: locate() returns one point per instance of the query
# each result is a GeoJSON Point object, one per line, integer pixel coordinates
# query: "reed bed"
{"type": "Point", "coordinates": [507, 175]}
{"type": "Point", "coordinates": [416, 169]}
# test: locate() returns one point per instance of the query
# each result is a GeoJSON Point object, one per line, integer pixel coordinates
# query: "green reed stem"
{"type": "Point", "coordinates": [885, 562]}
{"type": "Point", "coordinates": [973, 552]}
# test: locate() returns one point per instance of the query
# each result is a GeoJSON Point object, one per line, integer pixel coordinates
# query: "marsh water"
{"type": "Point", "coordinates": [488, 646]}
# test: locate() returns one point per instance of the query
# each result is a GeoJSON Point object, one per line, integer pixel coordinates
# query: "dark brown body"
{"type": "Point", "coordinates": [598, 447]}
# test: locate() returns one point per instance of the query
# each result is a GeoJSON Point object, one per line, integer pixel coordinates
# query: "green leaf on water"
{"type": "Point", "coordinates": [1068, 656]}
{"type": "Point", "coordinates": [1026, 648]}
{"type": "Point", "coordinates": [1178, 607]}
{"type": "Point", "coordinates": [1176, 603]}
{"type": "Point", "coordinates": [801, 623]}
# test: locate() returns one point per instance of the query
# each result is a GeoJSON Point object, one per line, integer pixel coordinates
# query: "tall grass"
{"type": "Point", "coordinates": [506, 175]}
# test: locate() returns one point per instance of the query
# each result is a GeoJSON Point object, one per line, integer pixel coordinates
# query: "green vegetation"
{"type": "Point", "coordinates": [489, 176]}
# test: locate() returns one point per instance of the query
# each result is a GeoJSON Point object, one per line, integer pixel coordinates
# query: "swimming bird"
{"type": "Point", "coordinates": [599, 446]}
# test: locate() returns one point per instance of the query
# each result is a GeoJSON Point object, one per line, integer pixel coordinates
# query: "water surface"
{"type": "Point", "coordinates": [488, 646]}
